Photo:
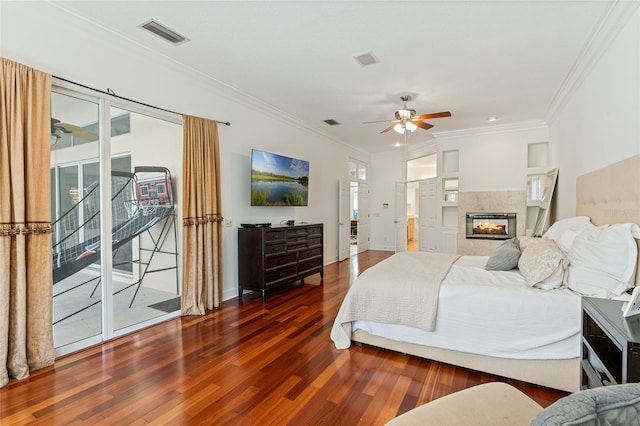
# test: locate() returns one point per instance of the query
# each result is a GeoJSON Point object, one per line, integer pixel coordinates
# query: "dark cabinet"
{"type": "Point", "coordinates": [274, 256]}
{"type": "Point", "coordinates": [610, 344]}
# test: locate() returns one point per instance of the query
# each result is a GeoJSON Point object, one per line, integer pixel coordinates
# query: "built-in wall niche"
{"type": "Point", "coordinates": [450, 161]}
{"type": "Point", "coordinates": [449, 195]}
{"type": "Point", "coordinates": [537, 155]}
{"type": "Point", "coordinates": [450, 217]}
{"type": "Point", "coordinates": [450, 177]}
{"type": "Point", "coordinates": [450, 190]}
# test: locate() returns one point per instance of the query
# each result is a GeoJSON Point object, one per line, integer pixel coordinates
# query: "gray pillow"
{"type": "Point", "coordinates": [505, 256]}
{"type": "Point", "coordinates": [606, 405]}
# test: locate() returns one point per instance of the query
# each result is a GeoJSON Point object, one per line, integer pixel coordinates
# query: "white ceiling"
{"type": "Point", "coordinates": [477, 59]}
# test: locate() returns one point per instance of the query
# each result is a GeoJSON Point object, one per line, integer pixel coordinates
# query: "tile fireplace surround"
{"type": "Point", "coordinates": [491, 202]}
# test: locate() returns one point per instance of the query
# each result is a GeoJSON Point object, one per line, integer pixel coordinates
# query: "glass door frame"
{"type": "Point", "coordinates": [105, 103]}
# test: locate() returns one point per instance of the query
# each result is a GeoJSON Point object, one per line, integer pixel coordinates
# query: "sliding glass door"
{"type": "Point", "coordinates": [115, 238]}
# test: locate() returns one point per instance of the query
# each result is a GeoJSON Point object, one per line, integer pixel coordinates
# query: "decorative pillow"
{"type": "Point", "coordinates": [505, 256]}
{"type": "Point", "coordinates": [605, 405]}
{"type": "Point", "coordinates": [543, 264]}
{"type": "Point", "coordinates": [524, 242]}
{"type": "Point", "coordinates": [564, 231]}
{"type": "Point", "coordinates": [603, 260]}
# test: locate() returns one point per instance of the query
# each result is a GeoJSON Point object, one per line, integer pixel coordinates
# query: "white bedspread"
{"type": "Point", "coordinates": [495, 314]}
{"type": "Point", "coordinates": [400, 290]}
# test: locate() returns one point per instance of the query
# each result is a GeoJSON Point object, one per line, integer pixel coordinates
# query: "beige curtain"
{"type": "Point", "coordinates": [202, 245]}
{"type": "Point", "coordinates": [26, 284]}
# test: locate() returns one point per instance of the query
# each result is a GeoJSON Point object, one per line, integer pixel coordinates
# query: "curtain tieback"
{"type": "Point", "coordinates": [13, 229]}
{"type": "Point", "coordinates": [209, 218]}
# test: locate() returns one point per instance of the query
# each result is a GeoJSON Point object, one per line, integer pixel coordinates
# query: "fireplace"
{"type": "Point", "coordinates": [491, 226]}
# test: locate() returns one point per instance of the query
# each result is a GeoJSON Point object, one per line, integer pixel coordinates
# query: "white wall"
{"type": "Point", "coordinates": [598, 122]}
{"type": "Point", "coordinates": [494, 157]}
{"type": "Point", "coordinates": [385, 169]}
{"type": "Point", "coordinates": [63, 46]}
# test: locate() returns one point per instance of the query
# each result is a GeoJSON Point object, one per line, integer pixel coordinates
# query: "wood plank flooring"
{"type": "Point", "coordinates": [246, 363]}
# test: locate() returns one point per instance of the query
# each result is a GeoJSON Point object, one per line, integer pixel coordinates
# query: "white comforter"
{"type": "Point", "coordinates": [495, 314]}
{"type": "Point", "coordinates": [401, 290]}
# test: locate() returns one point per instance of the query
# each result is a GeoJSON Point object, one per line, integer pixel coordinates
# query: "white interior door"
{"type": "Point", "coordinates": [364, 224]}
{"type": "Point", "coordinates": [344, 219]}
{"type": "Point", "coordinates": [428, 222]}
{"type": "Point", "coordinates": [400, 221]}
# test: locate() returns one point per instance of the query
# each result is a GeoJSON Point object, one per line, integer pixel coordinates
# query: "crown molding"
{"type": "Point", "coordinates": [491, 130]}
{"type": "Point", "coordinates": [613, 21]}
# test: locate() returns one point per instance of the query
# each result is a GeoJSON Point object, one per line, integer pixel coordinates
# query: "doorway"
{"type": "Point", "coordinates": [421, 219]}
{"type": "Point", "coordinates": [413, 216]}
{"type": "Point", "coordinates": [353, 208]}
{"type": "Point", "coordinates": [353, 219]}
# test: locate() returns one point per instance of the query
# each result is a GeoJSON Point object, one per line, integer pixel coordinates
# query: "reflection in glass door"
{"type": "Point", "coordinates": [151, 288]}
{"type": "Point", "coordinates": [75, 219]}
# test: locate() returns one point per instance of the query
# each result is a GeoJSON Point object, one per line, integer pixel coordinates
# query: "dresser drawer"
{"type": "Point", "coordinates": [307, 265]}
{"type": "Point", "coordinates": [296, 240]}
{"type": "Point", "coordinates": [272, 248]}
{"type": "Point", "coordinates": [273, 276]}
{"type": "Point", "coordinates": [315, 240]}
{"type": "Point", "coordinates": [277, 261]}
{"type": "Point", "coordinates": [314, 230]}
{"type": "Point", "coordinates": [274, 235]}
{"type": "Point", "coordinates": [298, 232]}
{"type": "Point", "coordinates": [307, 254]}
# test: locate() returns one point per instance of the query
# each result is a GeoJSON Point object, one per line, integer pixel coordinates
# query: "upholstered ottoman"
{"type": "Point", "coordinates": [494, 403]}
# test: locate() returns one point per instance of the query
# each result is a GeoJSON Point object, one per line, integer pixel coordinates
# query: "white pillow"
{"type": "Point", "coordinates": [603, 260]}
{"type": "Point", "coordinates": [543, 264]}
{"type": "Point", "coordinates": [564, 231]}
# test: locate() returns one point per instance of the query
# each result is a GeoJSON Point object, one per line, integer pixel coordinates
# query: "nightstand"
{"type": "Point", "coordinates": [610, 344]}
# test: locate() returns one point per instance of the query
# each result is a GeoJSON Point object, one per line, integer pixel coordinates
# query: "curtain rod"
{"type": "Point", "coordinates": [112, 93]}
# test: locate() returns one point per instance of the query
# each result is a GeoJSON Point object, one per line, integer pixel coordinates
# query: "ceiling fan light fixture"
{"type": "Point", "coordinates": [404, 114]}
{"type": "Point", "coordinates": [399, 128]}
{"type": "Point", "coordinates": [410, 126]}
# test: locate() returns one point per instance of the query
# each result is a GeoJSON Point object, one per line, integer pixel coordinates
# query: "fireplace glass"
{"type": "Point", "coordinates": [491, 226]}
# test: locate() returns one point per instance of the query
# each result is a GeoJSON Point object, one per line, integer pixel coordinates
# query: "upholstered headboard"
{"type": "Point", "coordinates": [611, 195]}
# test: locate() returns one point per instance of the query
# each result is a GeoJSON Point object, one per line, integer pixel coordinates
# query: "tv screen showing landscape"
{"type": "Point", "coordinates": [277, 180]}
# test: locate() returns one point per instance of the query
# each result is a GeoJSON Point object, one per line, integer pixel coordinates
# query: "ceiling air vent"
{"type": "Point", "coordinates": [331, 122]}
{"type": "Point", "coordinates": [163, 32]}
{"type": "Point", "coordinates": [366, 59]}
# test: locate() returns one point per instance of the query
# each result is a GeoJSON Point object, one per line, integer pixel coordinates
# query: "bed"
{"type": "Point", "coordinates": [508, 323]}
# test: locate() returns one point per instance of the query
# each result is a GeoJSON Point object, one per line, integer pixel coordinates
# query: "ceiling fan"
{"type": "Point", "coordinates": [58, 129]}
{"type": "Point", "coordinates": [407, 119]}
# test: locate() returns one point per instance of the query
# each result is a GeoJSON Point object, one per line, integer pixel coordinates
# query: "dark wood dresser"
{"type": "Point", "coordinates": [274, 256]}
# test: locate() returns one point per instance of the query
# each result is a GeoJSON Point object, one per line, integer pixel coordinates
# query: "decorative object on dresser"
{"type": "Point", "coordinates": [271, 257]}
{"type": "Point", "coordinates": [610, 344]}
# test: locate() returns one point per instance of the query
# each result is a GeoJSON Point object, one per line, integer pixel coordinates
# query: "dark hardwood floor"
{"type": "Point", "coordinates": [245, 363]}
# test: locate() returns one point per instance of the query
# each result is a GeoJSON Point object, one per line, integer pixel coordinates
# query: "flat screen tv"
{"type": "Point", "coordinates": [277, 180]}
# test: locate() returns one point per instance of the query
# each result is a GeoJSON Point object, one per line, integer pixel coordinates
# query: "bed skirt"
{"type": "Point", "coordinates": [562, 374]}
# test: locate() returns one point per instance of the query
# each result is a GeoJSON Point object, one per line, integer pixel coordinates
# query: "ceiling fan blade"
{"type": "Point", "coordinates": [434, 115]}
{"type": "Point", "coordinates": [388, 128]}
{"type": "Point", "coordinates": [422, 124]}
{"type": "Point", "coordinates": [77, 131]}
